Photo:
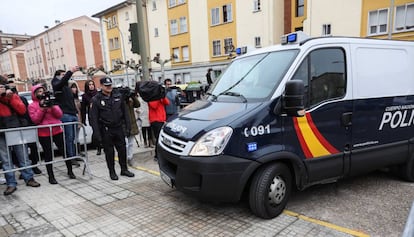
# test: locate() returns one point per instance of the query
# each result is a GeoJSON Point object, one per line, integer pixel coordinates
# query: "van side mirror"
{"type": "Point", "coordinates": [293, 98]}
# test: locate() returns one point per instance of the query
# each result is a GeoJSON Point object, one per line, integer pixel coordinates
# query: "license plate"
{"type": "Point", "coordinates": [166, 178]}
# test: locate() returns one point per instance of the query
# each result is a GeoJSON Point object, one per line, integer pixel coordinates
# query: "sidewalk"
{"type": "Point", "coordinates": [139, 206]}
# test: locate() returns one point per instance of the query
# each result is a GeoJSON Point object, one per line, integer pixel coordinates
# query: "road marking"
{"type": "Point", "coordinates": [290, 213]}
{"type": "Point", "coordinates": [326, 224]}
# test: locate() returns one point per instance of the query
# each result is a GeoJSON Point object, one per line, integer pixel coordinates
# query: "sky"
{"type": "Point", "coordinates": [30, 16]}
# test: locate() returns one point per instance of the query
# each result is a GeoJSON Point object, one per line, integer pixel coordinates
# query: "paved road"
{"type": "Point", "coordinates": [139, 206]}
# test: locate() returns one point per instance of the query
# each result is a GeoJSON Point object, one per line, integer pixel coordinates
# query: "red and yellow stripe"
{"type": "Point", "coordinates": [311, 140]}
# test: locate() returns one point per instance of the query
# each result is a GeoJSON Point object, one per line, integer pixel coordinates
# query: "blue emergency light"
{"type": "Point", "coordinates": [252, 146]}
{"type": "Point", "coordinates": [292, 38]}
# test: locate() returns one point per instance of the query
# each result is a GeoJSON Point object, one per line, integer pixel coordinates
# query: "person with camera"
{"type": "Point", "coordinates": [43, 111]}
{"type": "Point", "coordinates": [10, 107]}
{"type": "Point", "coordinates": [64, 98]}
{"type": "Point", "coordinates": [108, 113]}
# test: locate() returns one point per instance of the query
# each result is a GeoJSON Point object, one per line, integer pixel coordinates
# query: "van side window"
{"type": "Point", "coordinates": [324, 75]}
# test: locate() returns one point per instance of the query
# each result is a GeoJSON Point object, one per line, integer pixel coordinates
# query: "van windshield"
{"type": "Point", "coordinates": [254, 78]}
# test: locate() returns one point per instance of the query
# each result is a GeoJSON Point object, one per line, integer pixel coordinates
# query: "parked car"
{"type": "Point", "coordinates": [191, 92]}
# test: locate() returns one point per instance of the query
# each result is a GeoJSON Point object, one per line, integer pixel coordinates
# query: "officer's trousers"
{"type": "Point", "coordinates": [114, 137]}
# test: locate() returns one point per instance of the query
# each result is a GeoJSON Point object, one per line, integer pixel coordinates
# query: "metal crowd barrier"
{"type": "Point", "coordinates": [409, 225]}
{"type": "Point", "coordinates": [25, 135]}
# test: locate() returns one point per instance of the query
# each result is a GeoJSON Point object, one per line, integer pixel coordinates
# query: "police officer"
{"type": "Point", "coordinates": [108, 113]}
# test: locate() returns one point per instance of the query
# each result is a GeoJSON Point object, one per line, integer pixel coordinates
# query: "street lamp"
{"type": "Point", "coordinates": [123, 49]}
{"type": "Point", "coordinates": [50, 49]}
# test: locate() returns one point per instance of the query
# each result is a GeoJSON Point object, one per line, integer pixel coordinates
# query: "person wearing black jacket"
{"type": "Point", "coordinates": [90, 91]}
{"type": "Point", "coordinates": [64, 98]}
{"type": "Point", "coordinates": [108, 113]}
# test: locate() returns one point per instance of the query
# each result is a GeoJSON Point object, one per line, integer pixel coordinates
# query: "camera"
{"type": "Point", "coordinates": [7, 87]}
{"type": "Point", "coordinates": [47, 99]}
{"type": "Point", "coordinates": [126, 92]}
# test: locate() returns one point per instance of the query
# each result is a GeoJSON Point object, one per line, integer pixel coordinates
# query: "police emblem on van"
{"type": "Point", "coordinates": [176, 128]}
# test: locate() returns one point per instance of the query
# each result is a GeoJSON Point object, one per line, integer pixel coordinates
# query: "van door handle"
{"type": "Point", "coordinates": [346, 119]}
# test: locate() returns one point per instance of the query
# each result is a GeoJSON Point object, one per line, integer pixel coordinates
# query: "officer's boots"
{"type": "Point", "coordinates": [51, 175]}
{"type": "Point", "coordinates": [112, 174]}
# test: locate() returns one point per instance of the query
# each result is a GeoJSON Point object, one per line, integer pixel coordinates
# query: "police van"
{"type": "Point", "coordinates": [305, 112]}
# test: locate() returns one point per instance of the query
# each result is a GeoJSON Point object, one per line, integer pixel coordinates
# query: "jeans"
{"type": "Point", "coordinates": [22, 157]}
{"type": "Point", "coordinates": [129, 147]}
{"type": "Point", "coordinates": [70, 131]}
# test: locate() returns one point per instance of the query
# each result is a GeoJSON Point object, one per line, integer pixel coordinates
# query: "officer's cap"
{"type": "Point", "coordinates": [106, 81]}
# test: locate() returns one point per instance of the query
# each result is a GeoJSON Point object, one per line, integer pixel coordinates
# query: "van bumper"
{"type": "Point", "coordinates": [219, 178]}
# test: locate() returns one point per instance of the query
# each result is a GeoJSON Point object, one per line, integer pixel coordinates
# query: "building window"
{"type": "Point", "coordinates": [154, 5]}
{"type": "Point", "coordinates": [111, 44]}
{"type": "Point", "coordinates": [156, 32]}
{"type": "Point", "coordinates": [176, 52]}
{"type": "Point", "coordinates": [61, 52]}
{"type": "Point", "coordinates": [300, 8]}
{"type": "Point", "coordinates": [228, 45]}
{"type": "Point", "coordinates": [173, 27]}
{"type": "Point", "coordinates": [404, 17]}
{"type": "Point", "coordinates": [57, 53]}
{"type": "Point", "coordinates": [216, 48]}
{"type": "Point", "coordinates": [127, 16]}
{"type": "Point", "coordinates": [171, 3]}
{"type": "Point", "coordinates": [181, 1]}
{"type": "Point", "coordinates": [377, 21]}
{"type": "Point", "coordinates": [256, 5]}
{"type": "Point", "coordinates": [186, 55]}
{"type": "Point", "coordinates": [116, 43]}
{"type": "Point", "coordinates": [326, 29]}
{"type": "Point", "coordinates": [227, 13]}
{"type": "Point", "coordinates": [109, 24]}
{"type": "Point", "coordinates": [183, 24]}
{"type": "Point", "coordinates": [114, 21]}
{"type": "Point", "coordinates": [257, 42]}
{"type": "Point", "coordinates": [215, 16]}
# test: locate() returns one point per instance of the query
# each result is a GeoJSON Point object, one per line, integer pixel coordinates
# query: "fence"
{"type": "Point", "coordinates": [25, 135]}
{"type": "Point", "coordinates": [409, 225]}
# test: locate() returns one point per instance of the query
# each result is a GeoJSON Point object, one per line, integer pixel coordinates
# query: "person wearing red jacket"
{"type": "Point", "coordinates": [157, 118]}
{"type": "Point", "coordinates": [11, 106]}
{"type": "Point", "coordinates": [43, 113]}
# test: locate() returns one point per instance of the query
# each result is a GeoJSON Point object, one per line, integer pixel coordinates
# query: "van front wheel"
{"type": "Point", "coordinates": [270, 190]}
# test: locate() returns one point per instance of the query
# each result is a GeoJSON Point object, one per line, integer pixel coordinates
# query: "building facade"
{"type": "Point", "coordinates": [385, 19]}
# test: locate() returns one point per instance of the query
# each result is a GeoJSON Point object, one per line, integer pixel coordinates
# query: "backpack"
{"type": "Point", "coordinates": [150, 90]}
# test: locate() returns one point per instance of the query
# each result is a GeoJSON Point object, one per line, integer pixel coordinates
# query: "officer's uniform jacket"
{"type": "Point", "coordinates": [108, 112]}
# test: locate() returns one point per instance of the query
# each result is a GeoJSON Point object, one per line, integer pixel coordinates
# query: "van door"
{"type": "Point", "coordinates": [324, 133]}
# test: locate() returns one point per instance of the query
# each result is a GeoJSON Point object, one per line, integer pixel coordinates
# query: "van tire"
{"type": "Point", "coordinates": [273, 180]}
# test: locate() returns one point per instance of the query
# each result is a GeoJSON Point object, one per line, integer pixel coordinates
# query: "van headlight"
{"type": "Point", "coordinates": [212, 143]}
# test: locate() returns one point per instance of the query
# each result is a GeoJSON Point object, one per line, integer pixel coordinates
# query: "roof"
{"type": "Point", "coordinates": [113, 8]}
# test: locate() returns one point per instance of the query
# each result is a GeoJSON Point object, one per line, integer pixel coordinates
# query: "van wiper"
{"type": "Point", "coordinates": [212, 95]}
{"type": "Point", "coordinates": [231, 93]}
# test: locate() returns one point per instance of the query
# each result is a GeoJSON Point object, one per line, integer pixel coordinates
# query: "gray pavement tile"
{"type": "Point", "coordinates": [139, 206]}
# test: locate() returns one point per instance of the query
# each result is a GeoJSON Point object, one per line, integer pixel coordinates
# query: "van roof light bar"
{"type": "Point", "coordinates": [293, 38]}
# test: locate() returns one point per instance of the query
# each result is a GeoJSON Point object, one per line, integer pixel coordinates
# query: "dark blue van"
{"type": "Point", "coordinates": [293, 115]}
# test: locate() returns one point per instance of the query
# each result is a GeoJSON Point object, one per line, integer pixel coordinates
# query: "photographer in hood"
{"type": "Point", "coordinates": [43, 111]}
{"type": "Point", "coordinates": [11, 106]}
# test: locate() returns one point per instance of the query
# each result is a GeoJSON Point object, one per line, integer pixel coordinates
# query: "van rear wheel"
{"type": "Point", "coordinates": [270, 190]}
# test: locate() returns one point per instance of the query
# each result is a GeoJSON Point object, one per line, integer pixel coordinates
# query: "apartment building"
{"type": "Point", "coordinates": [385, 19]}
{"type": "Point", "coordinates": [68, 43]}
{"type": "Point", "coordinates": [8, 41]}
{"type": "Point", "coordinates": [192, 36]}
